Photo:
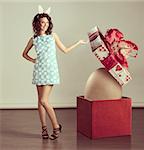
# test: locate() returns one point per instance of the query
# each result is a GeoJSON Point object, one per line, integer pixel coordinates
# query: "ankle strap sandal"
{"type": "Point", "coordinates": [56, 132]}
{"type": "Point", "coordinates": [44, 132]}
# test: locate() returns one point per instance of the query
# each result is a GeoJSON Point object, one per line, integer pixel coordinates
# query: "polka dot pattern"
{"type": "Point", "coordinates": [46, 67]}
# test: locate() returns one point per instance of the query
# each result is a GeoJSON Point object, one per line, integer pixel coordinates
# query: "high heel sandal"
{"type": "Point", "coordinates": [44, 132]}
{"type": "Point", "coordinates": [56, 132]}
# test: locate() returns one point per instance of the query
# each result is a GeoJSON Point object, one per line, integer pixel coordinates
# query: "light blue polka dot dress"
{"type": "Point", "coordinates": [46, 67]}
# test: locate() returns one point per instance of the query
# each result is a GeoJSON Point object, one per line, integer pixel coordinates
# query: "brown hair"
{"type": "Point", "coordinates": [36, 24]}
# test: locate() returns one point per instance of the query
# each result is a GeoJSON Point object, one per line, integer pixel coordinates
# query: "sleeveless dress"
{"type": "Point", "coordinates": [46, 68]}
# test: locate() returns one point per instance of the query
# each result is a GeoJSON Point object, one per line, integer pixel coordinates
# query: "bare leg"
{"type": "Point", "coordinates": [43, 101]}
{"type": "Point", "coordinates": [41, 109]}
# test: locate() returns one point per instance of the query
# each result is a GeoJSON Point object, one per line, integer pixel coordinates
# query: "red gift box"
{"type": "Point", "coordinates": [104, 118]}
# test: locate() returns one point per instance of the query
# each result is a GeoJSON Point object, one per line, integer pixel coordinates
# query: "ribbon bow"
{"type": "Point", "coordinates": [116, 42]}
{"type": "Point", "coordinates": [41, 10]}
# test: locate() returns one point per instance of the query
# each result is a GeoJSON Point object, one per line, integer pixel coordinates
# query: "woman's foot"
{"type": "Point", "coordinates": [44, 132]}
{"type": "Point", "coordinates": [56, 132]}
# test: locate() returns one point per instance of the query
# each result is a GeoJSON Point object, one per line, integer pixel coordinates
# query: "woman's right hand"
{"type": "Point", "coordinates": [34, 61]}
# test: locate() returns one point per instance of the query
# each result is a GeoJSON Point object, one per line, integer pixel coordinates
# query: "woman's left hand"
{"type": "Point", "coordinates": [83, 42]}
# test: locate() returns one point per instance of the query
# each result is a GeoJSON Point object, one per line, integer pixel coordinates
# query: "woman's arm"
{"type": "Point", "coordinates": [27, 49]}
{"type": "Point", "coordinates": [61, 46]}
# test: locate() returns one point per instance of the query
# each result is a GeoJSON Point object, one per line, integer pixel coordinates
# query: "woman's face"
{"type": "Point", "coordinates": [44, 24]}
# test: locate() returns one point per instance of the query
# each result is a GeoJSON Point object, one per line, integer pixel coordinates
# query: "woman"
{"type": "Point", "coordinates": [46, 74]}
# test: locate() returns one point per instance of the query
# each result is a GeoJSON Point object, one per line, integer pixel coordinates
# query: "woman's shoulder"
{"type": "Point", "coordinates": [54, 34]}
{"type": "Point", "coordinates": [31, 39]}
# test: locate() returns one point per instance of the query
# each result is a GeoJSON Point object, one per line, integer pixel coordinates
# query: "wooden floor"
{"type": "Point", "coordinates": [20, 130]}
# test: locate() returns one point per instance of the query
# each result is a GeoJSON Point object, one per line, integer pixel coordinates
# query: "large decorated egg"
{"type": "Point", "coordinates": [102, 86]}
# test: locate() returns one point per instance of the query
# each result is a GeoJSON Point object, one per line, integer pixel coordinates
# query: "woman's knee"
{"type": "Point", "coordinates": [44, 103]}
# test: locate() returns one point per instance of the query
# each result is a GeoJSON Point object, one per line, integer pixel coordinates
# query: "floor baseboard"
{"type": "Point", "coordinates": [58, 105]}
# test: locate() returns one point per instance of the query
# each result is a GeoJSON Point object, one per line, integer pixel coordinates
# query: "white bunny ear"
{"type": "Point", "coordinates": [40, 9]}
{"type": "Point", "coordinates": [48, 11]}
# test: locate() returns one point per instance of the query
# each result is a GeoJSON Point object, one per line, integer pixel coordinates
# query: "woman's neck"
{"type": "Point", "coordinates": [42, 33]}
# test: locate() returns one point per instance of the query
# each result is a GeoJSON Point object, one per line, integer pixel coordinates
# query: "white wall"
{"type": "Point", "coordinates": [72, 21]}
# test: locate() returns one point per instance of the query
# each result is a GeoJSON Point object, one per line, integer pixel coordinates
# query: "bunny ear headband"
{"type": "Point", "coordinates": [41, 10]}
